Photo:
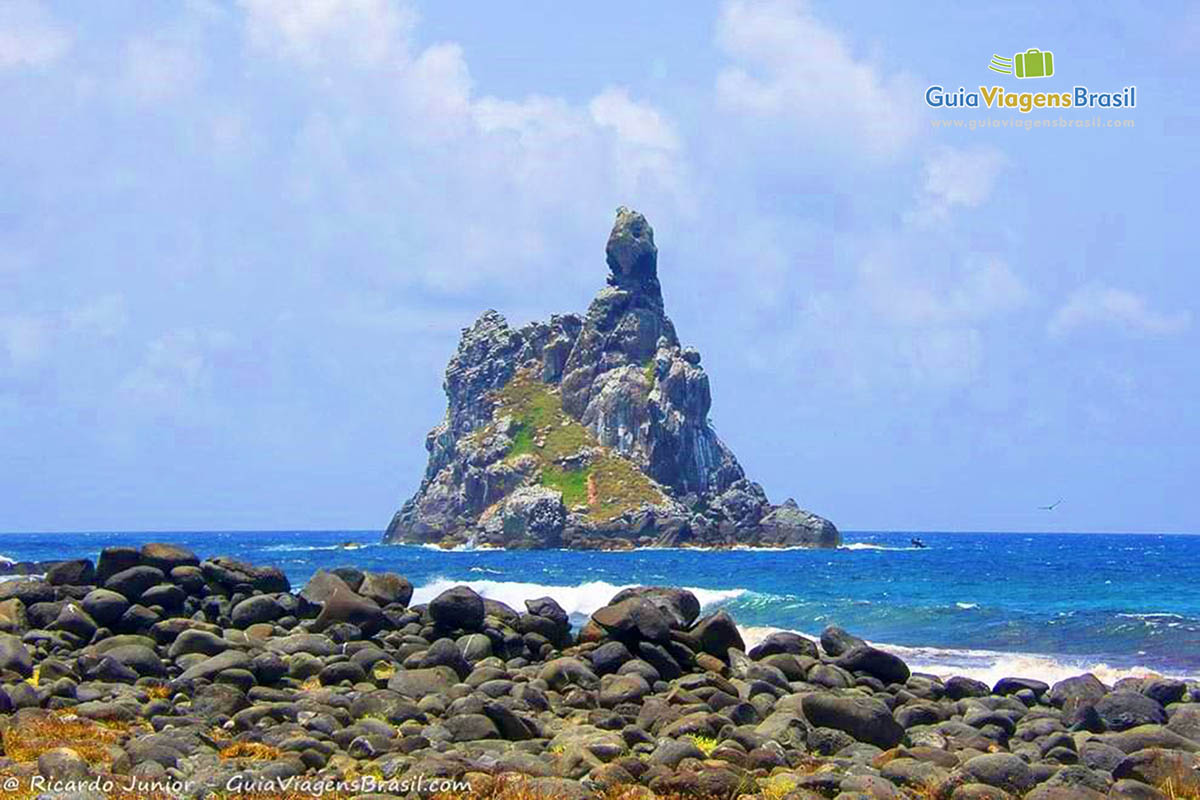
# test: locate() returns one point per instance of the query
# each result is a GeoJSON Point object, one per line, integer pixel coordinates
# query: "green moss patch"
{"type": "Point", "coordinates": [571, 482]}
{"type": "Point", "coordinates": [550, 435]}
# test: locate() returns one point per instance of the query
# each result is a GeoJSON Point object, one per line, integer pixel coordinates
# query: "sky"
{"type": "Point", "coordinates": [238, 242]}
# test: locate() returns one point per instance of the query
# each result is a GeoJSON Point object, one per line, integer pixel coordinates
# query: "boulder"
{"type": "Point", "coordinates": [13, 618]}
{"type": "Point", "coordinates": [255, 609]}
{"type": "Point", "coordinates": [784, 642]}
{"type": "Point", "coordinates": [386, 588]}
{"type": "Point", "coordinates": [131, 583]}
{"type": "Point", "coordinates": [27, 590]}
{"type": "Point", "coordinates": [717, 634]}
{"type": "Point", "coordinates": [549, 608]}
{"type": "Point", "coordinates": [322, 585]}
{"type": "Point", "coordinates": [532, 516]}
{"type": "Point", "coordinates": [167, 557]}
{"type": "Point", "coordinates": [14, 657]}
{"type": "Point", "coordinates": [418, 683]}
{"type": "Point", "coordinates": [566, 671]}
{"type": "Point", "coordinates": [213, 666]}
{"type": "Point", "coordinates": [875, 662]}
{"type": "Point", "coordinates": [1156, 767]}
{"type": "Point", "coordinates": [77, 572]}
{"type": "Point", "coordinates": [866, 719]}
{"type": "Point", "coordinates": [116, 559]}
{"type": "Point", "coordinates": [634, 619]}
{"type": "Point", "coordinates": [835, 641]}
{"type": "Point", "coordinates": [73, 619]}
{"type": "Point", "coordinates": [1003, 771]}
{"type": "Point", "coordinates": [457, 608]}
{"type": "Point", "coordinates": [680, 606]}
{"type": "Point", "coordinates": [106, 607]}
{"type": "Point", "coordinates": [231, 574]}
{"type": "Point", "coordinates": [1120, 711]}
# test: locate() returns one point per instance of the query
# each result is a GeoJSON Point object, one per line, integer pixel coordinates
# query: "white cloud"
{"type": "Point", "coordinates": [909, 292]}
{"type": "Point", "coordinates": [158, 70]}
{"type": "Point", "coordinates": [954, 177]}
{"type": "Point", "coordinates": [408, 149]}
{"type": "Point", "coordinates": [791, 66]}
{"type": "Point", "coordinates": [330, 32]}
{"type": "Point", "coordinates": [25, 339]}
{"type": "Point", "coordinates": [635, 123]}
{"type": "Point", "coordinates": [1102, 306]}
{"type": "Point", "coordinates": [102, 318]}
{"type": "Point", "coordinates": [177, 372]}
{"type": "Point", "coordinates": [29, 37]}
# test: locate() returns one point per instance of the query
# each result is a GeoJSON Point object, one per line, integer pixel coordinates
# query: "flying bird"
{"type": "Point", "coordinates": [1050, 507]}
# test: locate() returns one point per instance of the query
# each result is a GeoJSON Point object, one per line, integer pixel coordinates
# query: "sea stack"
{"type": "Point", "coordinates": [590, 432]}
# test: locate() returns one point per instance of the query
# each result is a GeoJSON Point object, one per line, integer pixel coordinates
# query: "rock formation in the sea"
{"type": "Point", "coordinates": [590, 432]}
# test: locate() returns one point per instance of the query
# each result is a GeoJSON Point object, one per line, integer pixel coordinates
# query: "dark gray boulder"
{"type": "Point", "coordinates": [784, 642]}
{"type": "Point", "coordinates": [458, 607]}
{"type": "Point", "coordinates": [1120, 711]}
{"type": "Point", "coordinates": [634, 619]}
{"type": "Point", "coordinates": [873, 661]}
{"type": "Point", "coordinates": [717, 634]}
{"type": "Point", "coordinates": [835, 641]}
{"type": "Point", "coordinates": [105, 606]}
{"type": "Point", "coordinates": [167, 557]}
{"type": "Point", "coordinates": [130, 583]}
{"type": "Point", "coordinates": [116, 559]}
{"type": "Point", "coordinates": [386, 588]}
{"type": "Point", "coordinates": [78, 572]}
{"type": "Point", "coordinates": [14, 656]}
{"type": "Point", "coordinates": [344, 606]}
{"type": "Point", "coordinates": [231, 574]}
{"type": "Point", "coordinates": [255, 609]}
{"type": "Point", "coordinates": [681, 606]}
{"type": "Point", "coordinates": [866, 719]}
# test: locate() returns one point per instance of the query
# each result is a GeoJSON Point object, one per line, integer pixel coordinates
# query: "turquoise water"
{"type": "Point", "coordinates": [1043, 605]}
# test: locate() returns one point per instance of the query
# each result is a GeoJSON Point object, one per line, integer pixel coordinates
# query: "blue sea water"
{"type": "Point", "coordinates": [980, 604]}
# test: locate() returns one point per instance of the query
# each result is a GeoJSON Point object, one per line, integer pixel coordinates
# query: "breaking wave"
{"type": "Point", "coordinates": [988, 666]}
{"type": "Point", "coordinates": [581, 599]}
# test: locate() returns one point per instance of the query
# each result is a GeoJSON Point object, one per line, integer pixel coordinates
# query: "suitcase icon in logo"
{"type": "Point", "coordinates": [1034, 63]}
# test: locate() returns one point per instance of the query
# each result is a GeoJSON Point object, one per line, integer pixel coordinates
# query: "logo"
{"type": "Point", "coordinates": [1033, 63]}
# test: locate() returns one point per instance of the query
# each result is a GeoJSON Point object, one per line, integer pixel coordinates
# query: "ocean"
{"type": "Point", "coordinates": [984, 605]}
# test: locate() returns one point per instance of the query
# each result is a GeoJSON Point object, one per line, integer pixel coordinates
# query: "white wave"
{"type": "Point", "coordinates": [966, 606]}
{"type": "Point", "coordinates": [988, 666]}
{"type": "Point", "coordinates": [580, 599]}
{"type": "Point", "coordinates": [22, 578]}
{"type": "Point", "coordinates": [486, 570]}
{"type": "Point", "coordinates": [6, 561]}
{"type": "Point", "coordinates": [869, 546]}
{"type": "Point", "coordinates": [309, 548]}
{"type": "Point", "coordinates": [461, 548]}
{"type": "Point", "coordinates": [1152, 616]}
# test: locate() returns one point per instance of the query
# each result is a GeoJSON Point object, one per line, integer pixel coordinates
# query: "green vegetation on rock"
{"type": "Point", "coordinates": [609, 485]}
{"type": "Point", "coordinates": [571, 482]}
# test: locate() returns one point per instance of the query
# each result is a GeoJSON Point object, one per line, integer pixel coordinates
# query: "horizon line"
{"type": "Point", "coordinates": [379, 532]}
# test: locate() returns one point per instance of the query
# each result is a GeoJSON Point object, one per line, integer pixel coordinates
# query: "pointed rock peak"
{"type": "Point", "coordinates": [632, 256]}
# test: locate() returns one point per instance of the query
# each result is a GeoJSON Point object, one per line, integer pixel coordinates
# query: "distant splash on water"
{"type": "Point", "coordinates": [988, 666]}
{"type": "Point", "coordinates": [315, 548]}
{"type": "Point", "coordinates": [581, 599]}
{"type": "Point", "coordinates": [886, 548]}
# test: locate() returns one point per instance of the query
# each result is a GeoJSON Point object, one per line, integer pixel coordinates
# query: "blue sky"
{"type": "Point", "coordinates": [238, 241]}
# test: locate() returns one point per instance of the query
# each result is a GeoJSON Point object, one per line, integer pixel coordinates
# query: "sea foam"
{"type": "Point", "coordinates": [988, 666]}
{"type": "Point", "coordinates": [581, 599]}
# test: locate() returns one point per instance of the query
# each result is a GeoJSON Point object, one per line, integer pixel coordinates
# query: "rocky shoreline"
{"type": "Point", "coordinates": [152, 668]}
